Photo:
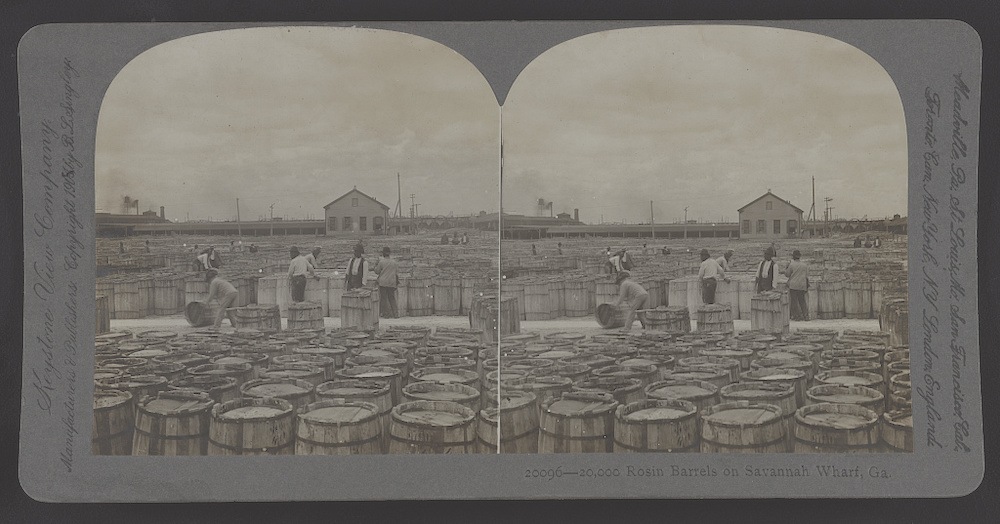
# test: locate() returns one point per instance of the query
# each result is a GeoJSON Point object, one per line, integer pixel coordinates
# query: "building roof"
{"type": "Point", "coordinates": [355, 190]}
{"type": "Point", "coordinates": [740, 210]}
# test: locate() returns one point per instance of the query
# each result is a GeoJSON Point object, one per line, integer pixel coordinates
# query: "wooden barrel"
{"type": "Point", "coordinates": [182, 357]}
{"type": "Point", "coordinates": [474, 286]}
{"type": "Point", "coordinates": [742, 427]}
{"type": "Point", "coordinates": [305, 315]}
{"type": "Point", "coordinates": [577, 422]}
{"type": "Point", "coordinates": [452, 392]}
{"type": "Point", "coordinates": [446, 375]}
{"type": "Point", "coordinates": [712, 375]}
{"type": "Point", "coordinates": [137, 385]}
{"type": "Point", "coordinates": [664, 364]}
{"type": "Point", "coordinates": [252, 426]}
{"type": "Point", "coordinates": [794, 377]}
{"type": "Point", "coordinates": [837, 394]}
{"type": "Point", "coordinates": [625, 390]}
{"type": "Point", "coordinates": [219, 388]}
{"type": "Point", "coordinates": [169, 371]}
{"type": "Point", "coordinates": [375, 392]}
{"type": "Point", "coordinates": [747, 289]}
{"type": "Point", "coordinates": [337, 353]}
{"type": "Point", "coordinates": [672, 318]}
{"type": "Point", "coordinates": [646, 373]}
{"type": "Point", "coordinates": [419, 296]}
{"type": "Point", "coordinates": [312, 374]}
{"type": "Point", "coordinates": [106, 289]}
{"type": "Point", "coordinates": [727, 293]}
{"type": "Point", "coordinates": [537, 296]}
{"type": "Point", "coordinates": [357, 310]}
{"type": "Point", "coordinates": [852, 378]}
{"type": "Point", "coordinates": [513, 425]}
{"type": "Point", "coordinates": [261, 317]}
{"type": "Point", "coordinates": [338, 427]}
{"type": "Point", "coordinates": [327, 364]}
{"type": "Point", "coordinates": [447, 297]}
{"type": "Point", "coordinates": [899, 384]}
{"type": "Point", "coordinates": [195, 290]}
{"type": "Point", "coordinates": [102, 315]}
{"type": "Point", "coordinates": [126, 297]}
{"type": "Point", "coordinates": [113, 423]}
{"type": "Point", "coordinates": [830, 296]}
{"type": "Point", "coordinates": [802, 365]}
{"type": "Point", "coordinates": [200, 314]}
{"type": "Point", "coordinates": [701, 394]}
{"type": "Point", "coordinates": [172, 423]}
{"type": "Point", "coordinates": [742, 356]}
{"type": "Point", "coordinates": [656, 426]}
{"type": "Point", "coordinates": [297, 392]}
{"type": "Point", "coordinates": [432, 427]}
{"type": "Point", "coordinates": [769, 312]}
{"type": "Point", "coordinates": [837, 428]}
{"type": "Point", "coordinates": [858, 298]}
{"type": "Point", "coordinates": [241, 372]}
{"type": "Point", "coordinates": [715, 318]}
{"type": "Point", "coordinates": [577, 298]}
{"type": "Point", "coordinates": [897, 430]}
{"type": "Point", "coordinates": [609, 316]}
{"type": "Point", "coordinates": [391, 376]}
{"type": "Point", "coordinates": [732, 366]}
{"type": "Point", "coordinates": [335, 293]}
{"type": "Point", "coordinates": [781, 395]}
{"type": "Point", "coordinates": [317, 292]}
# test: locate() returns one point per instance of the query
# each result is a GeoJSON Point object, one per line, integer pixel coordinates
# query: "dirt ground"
{"type": "Point", "coordinates": [178, 324]}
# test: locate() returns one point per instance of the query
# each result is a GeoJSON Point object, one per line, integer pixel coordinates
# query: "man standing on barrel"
{"type": "Point", "coordinates": [632, 297]}
{"type": "Point", "coordinates": [219, 289]}
{"type": "Point", "coordinates": [709, 275]}
{"type": "Point", "coordinates": [798, 285]}
{"type": "Point", "coordinates": [765, 272]}
{"type": "Point", "coordinates": [297, 270]}
{"type": "Point", "coordinates": [357, 269]}
{"type": "Point", "coordinates": [388, 281]}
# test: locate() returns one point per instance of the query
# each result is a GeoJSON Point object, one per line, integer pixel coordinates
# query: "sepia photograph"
{"type": "Point", "coordinates": [293, 234]}
{"type": "Point", "coordinates": [738, 196]}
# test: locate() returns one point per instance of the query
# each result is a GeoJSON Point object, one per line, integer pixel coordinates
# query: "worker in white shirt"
{"type": "Point", "coordinates": [220, 290]}
{"type": "Point", "coordinates": [314, 256]}
{"type": "Point", "coordinates": [632, 297]}
{"type": "Point", "coordinates": [709, 274]}
{"type": "Point", "coordinates": [298, 268]}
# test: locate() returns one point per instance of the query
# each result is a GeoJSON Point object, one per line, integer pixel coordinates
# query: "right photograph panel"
{"type": "Point", "coordinates": [704, 247]}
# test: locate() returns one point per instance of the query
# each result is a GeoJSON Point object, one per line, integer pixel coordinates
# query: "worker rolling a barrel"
{"type": "Point", "coordinates": [798, 285]}
{"type": "Point", "coordinates": [221, 291]}
{"type": "Point", "coordinates": [632, 297]}
{"type": "Point", "coordinates": [709, 274]}
{"type": "Point", "coordinates": [764, 278]}
{"type": "Point", "coordinates": [298, 268]}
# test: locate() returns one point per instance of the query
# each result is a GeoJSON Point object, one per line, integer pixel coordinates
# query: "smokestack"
{"type": "Point", "coordinates": [576, 214]}
{"type": "Point", "coordinates": [136, 202]}
{"type": "Point", "coordinates": [162, 215]}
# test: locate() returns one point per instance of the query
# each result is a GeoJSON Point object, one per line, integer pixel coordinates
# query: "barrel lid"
{"type": "Point", "coordinates": [840, 394]}
{"type": "Point", "coordinates": [741, 413]}
{"type": "Point", "coordinates": [681, 389]}
{"type": "Point", "coordinates": [835, 416]}
{"type": "Point", "coordinates": [108, 398]}
{"type": "Point", "coordinates": [251, 409]}
{"type": "Point", "coordinates": [338, 411]}
{"type": "Point", "coordinates": [581, 404]}
{"type": "Point", "coordinates": [176, 403]}
{"type": "Point", "coordinates": [433, 413]}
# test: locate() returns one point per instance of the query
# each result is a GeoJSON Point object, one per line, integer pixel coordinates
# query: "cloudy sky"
{"type": "Point", "coordinates": [296, 117]}
{"type": "Point", "coordinates": [707, 118]}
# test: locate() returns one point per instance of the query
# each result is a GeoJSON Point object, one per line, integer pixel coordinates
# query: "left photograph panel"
{"type": "Point", "coordinates": [296, 247]}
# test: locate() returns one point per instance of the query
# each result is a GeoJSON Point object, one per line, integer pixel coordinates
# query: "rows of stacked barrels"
{"type": "Point", "coordinates": [405, 390]}
{"type": "Point", "coordinates": [844, 283]}
{"type": "Point", "coordinates": [811, 391]}
{"type": "Point", "coordinates": [434, 280]}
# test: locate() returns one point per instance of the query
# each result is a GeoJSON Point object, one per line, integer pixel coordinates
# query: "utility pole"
{"type": "Point", "coordinates": [272, 219]}
{"type": "Point", "coordinates": [652, 227]}
{"type": "Point", "coordinates": [239, 228]}
{"type": "Point", "coordinates": [685, 222]}
{"type": "Point", "coordinates": [826, 215]}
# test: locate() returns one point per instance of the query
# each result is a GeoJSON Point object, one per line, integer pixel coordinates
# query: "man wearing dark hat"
{"type": "Point", "coordinates": [298, 268]}
{"type": "Point", "coordinates": [220, 290]}
{"type": "Point", "coordinates": [388, 281]}
{"type": "Point", "coordinates": [765, 272]}
{"type": "Point", "coordinates": [632, 297]}
{"type": "Point", "coordinates": [709, 274]}
{"type": "Point", "coordinates": [798, 285]}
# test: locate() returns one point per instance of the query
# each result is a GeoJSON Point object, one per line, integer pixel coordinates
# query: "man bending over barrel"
{"type": "Point", "coordinates": [220, 290]}
{"type": "Point", "coordinates": [709, 275]}
{"type": "Point", "coordinates": [632, 297]}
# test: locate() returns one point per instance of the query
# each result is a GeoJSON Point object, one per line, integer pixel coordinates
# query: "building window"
{"type": "Point", "coordinates": [746, 227]}
{"type": "Point", "coordinates": [348, 225]}
{"type": "Point", "coordinates": [377, 224]}
{"type": "Point", "coordinates": [331, 223]}
{"type": "Point", "coordinates": [777, 227]}
{"type": "Point", "coordinates": [767, 204]}
{"type": "Point", "coordinates": [363, 224]}
{"type": "Point", "coordinates": [761, 227]}
{"type": "Point", "coordinates": [354, 203]}
{"type": "Point", "coordinates": [793, 226]}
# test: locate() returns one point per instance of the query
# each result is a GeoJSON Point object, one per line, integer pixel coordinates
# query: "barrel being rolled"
{"type": "Point", "coordinates": [578, 422]}
{"type": "Point", "coordinates": [252, 426]}
{"type": "Point", "coordinates": [432, 427]}
{"type": "Point", "coordinates": [338, 427]}
{"type": "Point", "coordinates": [656, 425]}
{"type": "Point", "coordinates": [172, 423]}
{"type": "Point", "coordinates": [200, 314]}
{"type": "Point", "coordinates": [609, 316]}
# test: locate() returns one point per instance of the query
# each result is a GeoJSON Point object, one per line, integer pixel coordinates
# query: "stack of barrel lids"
{"type": "Point", "coordinates": [756, 392]}
{"type": "Point", "coordinates": [252, 392]}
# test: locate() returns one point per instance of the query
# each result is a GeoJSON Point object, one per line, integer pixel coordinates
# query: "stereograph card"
{"type": "Point", "coordinates": [551, 144]}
